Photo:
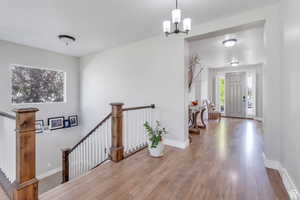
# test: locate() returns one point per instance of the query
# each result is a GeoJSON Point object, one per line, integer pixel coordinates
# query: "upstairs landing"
{"type": "Point", "coordinates": [223, 163]}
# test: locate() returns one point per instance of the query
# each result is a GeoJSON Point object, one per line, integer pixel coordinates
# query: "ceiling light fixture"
{"type": "Point", "coordinates": [230, 42]}
{"type": "Point", "coordinates": [66, 39]}
{"type": "Point", "coordinates": [234, 63]}
{"type": "Point", "coordinates": [176, 19]}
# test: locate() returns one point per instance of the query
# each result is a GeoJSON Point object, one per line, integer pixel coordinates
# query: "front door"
{"type": "Point", "coordinates": [235, 94]}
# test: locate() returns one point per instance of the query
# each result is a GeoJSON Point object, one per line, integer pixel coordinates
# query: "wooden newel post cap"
{"type": "Point", "coordinates": [66, 150]}
{"type": "Point", "coordinates": [117, 104]}
{"type": "Point", "coordinates": [25, 110]}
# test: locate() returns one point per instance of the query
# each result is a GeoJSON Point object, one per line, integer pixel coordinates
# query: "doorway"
{"type": "Point", "coordinates": [236, 94]}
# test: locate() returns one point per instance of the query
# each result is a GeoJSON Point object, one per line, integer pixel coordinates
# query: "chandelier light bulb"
{"type": "Point", "coordinates": [176, 16]}
{"type": "Point", "coordinates": [167, 26]}
{"type": "Point", "coordinates": [187, 24]}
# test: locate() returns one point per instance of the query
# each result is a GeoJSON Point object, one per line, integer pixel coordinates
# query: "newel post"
{"type": "Point", "coordinates": [117, 149]}
{"type": "Point", "coordinates": [26, 184]}
{"type": "Point", "coordinates": [65, 165]}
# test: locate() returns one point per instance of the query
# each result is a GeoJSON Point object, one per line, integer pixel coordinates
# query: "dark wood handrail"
{"type": "Point", "coordinates": [4, 114]}
{"type": "Point", "coordinates": [139, 108]}
{"type": "Point", "coordinates": [91, 132]}
{"type": "Point", "coordinates": [105, 119]}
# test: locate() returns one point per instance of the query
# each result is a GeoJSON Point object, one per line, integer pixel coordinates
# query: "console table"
{"type": "Point", "coordinates": [194, 112]}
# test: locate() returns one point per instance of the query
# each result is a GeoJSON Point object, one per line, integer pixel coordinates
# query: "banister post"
{"type": "Point", "coordinates": [65, 165]}
{"type": "Point", "coordinates": [117, 149]}
{"type": "Point", "coordinates": [26, 184]}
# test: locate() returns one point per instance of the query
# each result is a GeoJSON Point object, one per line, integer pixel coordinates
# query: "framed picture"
{"type": "Point", "coordinates": [39, 126]}
{"type": "Point", "coordinates": [56, 123]}
{"type": "Point", "coordinates": [67, 123]}
{"type": "Point", "coordinates": [73, 120]}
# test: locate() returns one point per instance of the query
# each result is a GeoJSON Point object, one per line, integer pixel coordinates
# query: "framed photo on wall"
{"type": "Point", "coordinates": [39, 126]}
{"type": "Point", "coordinates": [73, 120]}
{"type": "Point", "coordinates": [56, 123]}
{"type": "Point", "coordinates": [67, 123]}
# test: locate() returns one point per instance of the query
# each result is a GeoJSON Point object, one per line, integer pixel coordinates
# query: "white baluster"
{"type": "Point", "coordinates": [97, 142]}
{"type": "Point", "coordinates": [90, 153]}
{"type": "Point", "coordinates": [131, 121]}
{"type": "Point", "coordinates": [125, 132]}
{"type": "Point", "coordinates": [107, 138]}
{"type": "Point", "coordinates": [81, 159]}
{"type": "Point", "coordinates": [94, 149]}
{"type": "Point", "coordinates": [138, 125]}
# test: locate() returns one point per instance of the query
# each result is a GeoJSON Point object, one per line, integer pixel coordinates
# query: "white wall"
{"type": "Point", "coordinates": [143, 73]}
{"type": "Point", "coordinates": [48, 145]}
{"type": "Point", "coordinates": [152, 71]}
{"type": "Point", "coordinates": [290, 136]}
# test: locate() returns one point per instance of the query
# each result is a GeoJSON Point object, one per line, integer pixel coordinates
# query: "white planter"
{"type": "Point", "coordinates": [158, 151]}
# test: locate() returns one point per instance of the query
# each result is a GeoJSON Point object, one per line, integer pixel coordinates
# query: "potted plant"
{"type": "Point", "coordinates": [155, 136]}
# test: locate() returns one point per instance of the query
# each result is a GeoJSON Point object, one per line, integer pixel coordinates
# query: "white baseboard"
{"type": "Point", "coordinates": [48, 173]}
{"type": "Point", "coordinates": [286, 178]}
{"type": "Point", "coordinates": [176, 143]}
{"type": "Point", "coordinates": [260, 119]}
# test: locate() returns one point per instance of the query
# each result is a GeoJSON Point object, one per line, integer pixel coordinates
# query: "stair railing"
{"type": "Point", "coordinates": [114, 138]}
{"type": "Point", "coordinates": [89, 152]}
{"type": "Point", "coordinates": [135, 136]}
{"type": "Point", "coordinates": [17, 154]}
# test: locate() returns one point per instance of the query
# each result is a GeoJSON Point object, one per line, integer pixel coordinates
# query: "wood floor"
{"type": "Point", "coordinates": [277, 184]}
{"type": "Point", "coordinates": [223, 163]}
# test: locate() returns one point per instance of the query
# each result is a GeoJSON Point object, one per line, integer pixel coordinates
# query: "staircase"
{"type": "Point", "coordinates": [119, 135]}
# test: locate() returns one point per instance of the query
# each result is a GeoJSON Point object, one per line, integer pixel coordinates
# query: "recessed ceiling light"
{"type": "Point", "coordinates": [66, 39]}
{"type": "Point", "coordinates": [230, 42]}
{"type": "Point", "coordinates": [234, 63]}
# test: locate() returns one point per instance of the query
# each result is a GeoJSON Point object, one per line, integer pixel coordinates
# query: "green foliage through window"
{"type": "Point", "coordinates": [222, 91]}
{"type": "Point", "coordinates": [33, 85]}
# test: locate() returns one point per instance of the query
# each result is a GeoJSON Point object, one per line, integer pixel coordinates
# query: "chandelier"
{"type": "Point", "coordinates": [176, 19]}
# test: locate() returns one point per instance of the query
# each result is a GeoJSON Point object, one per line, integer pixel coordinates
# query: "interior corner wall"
{"type": "Point", "coordinates": [48, 146]}
{"type": "Point", "coordinates": [272, 84]}
{"type": "Point", "coordinates": [142, 73]}
{"type": "Point", "coordinates": [290, 87]}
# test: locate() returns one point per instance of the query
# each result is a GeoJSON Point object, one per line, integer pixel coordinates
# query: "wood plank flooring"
{"type": "Point", "coordinates": [277, 184]}
{"type": "Point", "coordinates": [222, 163]}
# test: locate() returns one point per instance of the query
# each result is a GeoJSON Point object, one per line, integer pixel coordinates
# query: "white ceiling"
{"type": "Point", "coordinates": [249, 49]}
{"type": "Point", "coordinates": [101, 24]}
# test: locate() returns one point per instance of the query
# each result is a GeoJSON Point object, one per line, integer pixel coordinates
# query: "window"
{"type": "Point", "coordinates": [35, 85]}
{"type": "Point", "coordinates": [220, 92]}
{"type": "Point", "coordinates": [251, 110]}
